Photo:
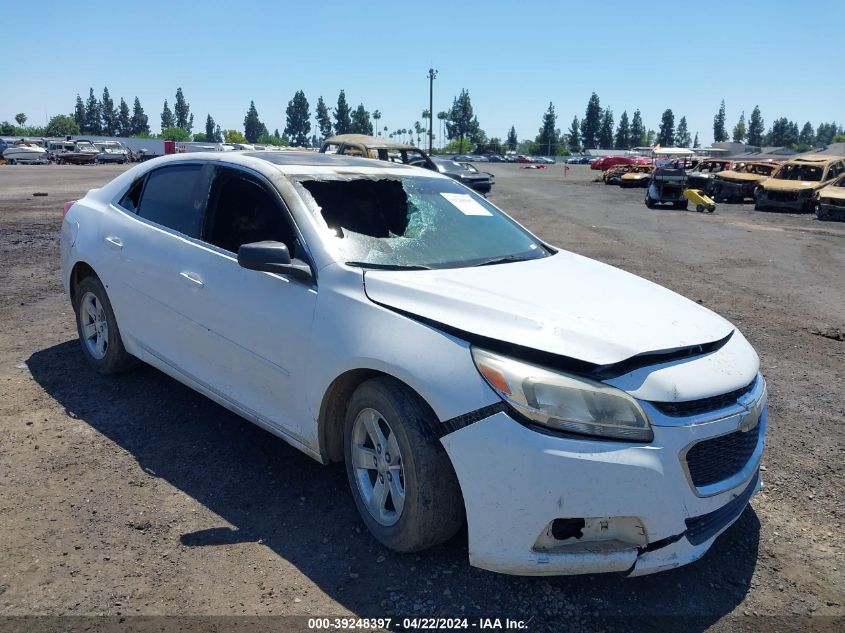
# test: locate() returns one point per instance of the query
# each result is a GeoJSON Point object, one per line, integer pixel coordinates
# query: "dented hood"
{"type": "Point", "coordinates": [564, 304]}
{"type": "Point", "coordinates": [740, 176]}
{"type": "Point", "coordinates": [833, 191]}
{"type": "Point", "coordinates": [776, 184]}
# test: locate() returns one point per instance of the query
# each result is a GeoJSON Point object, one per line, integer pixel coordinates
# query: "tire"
{"type": "Point", "coordinates": [684, 205]}
{"type": "Point", "coordinates": [430, 509]}
{"type": "Point", "coordinates": [649, 202]}
{"type": "Point", "coordinates": [103, 349]}
{"type": "Point", "coordinates": [11, 161]}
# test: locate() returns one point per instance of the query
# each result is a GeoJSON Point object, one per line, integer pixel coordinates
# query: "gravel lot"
{"type": "Point", "coordinates": [137, 496]}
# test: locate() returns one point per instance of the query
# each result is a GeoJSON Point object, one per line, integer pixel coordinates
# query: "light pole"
{"type": "Point", "coordinates": [432, 74]}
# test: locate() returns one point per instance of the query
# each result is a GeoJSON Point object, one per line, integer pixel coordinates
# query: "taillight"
{"type": "Point", "coordinates": [67, 207]}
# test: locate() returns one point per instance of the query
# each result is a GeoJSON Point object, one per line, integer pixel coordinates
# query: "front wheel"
{"type": "Point", "coordinates": [401, 478]}
{"type": "Point", "coordinates": [97, 328]}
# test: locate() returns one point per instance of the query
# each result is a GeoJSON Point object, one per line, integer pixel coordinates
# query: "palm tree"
{"type": "Point", "coordinates": [442, 116]}
{"type": "Point", "coordinates": [376, 117]}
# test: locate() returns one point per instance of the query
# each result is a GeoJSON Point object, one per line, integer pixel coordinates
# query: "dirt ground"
{"type": "Point", "coordinates": [136, 496]}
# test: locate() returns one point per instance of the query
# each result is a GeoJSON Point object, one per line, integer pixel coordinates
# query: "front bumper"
{"type": "Point", "coordinates": [728, 189]}
{"type": "Point", "coordinates": [827, 210]}
{"type": "Point", "coordinates": [642, 513]}
{"type": "Point", "coordinates": [798, 203]}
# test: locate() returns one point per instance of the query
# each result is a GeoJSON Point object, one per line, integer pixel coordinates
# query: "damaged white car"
{"type": "Point", "coordinates": [577, 417]}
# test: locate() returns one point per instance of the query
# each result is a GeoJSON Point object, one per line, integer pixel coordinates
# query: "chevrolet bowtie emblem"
{"type": "Point", "coordinates": [751, 417]}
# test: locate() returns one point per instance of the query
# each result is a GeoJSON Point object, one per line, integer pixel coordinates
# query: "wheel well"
{"type": "Point", "coordinates": [333, 409]}
{"type": "Point", "coordinates": [80, 271]}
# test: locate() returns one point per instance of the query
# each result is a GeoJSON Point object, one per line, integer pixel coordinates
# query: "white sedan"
{"type": "Point", "coordinates": [578, 418]}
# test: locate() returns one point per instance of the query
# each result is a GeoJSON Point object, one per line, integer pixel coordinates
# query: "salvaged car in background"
{"type": "Point", "coordinates": [830, 201]}
{"type": "Point", "coordinates": [794, 185]}
{"type": "Point", "coordinates": [465, 173]}
{"type": "Point", "coordinates": [636, 176]}
{"type": "Point", "coordinates": [606, 162]}
{"type": "Point", "coordinates": [739, 183]}
{"type": "Point", "coordinates": [613, 175]}
{"type": "Point", "coordinates": [377, 148]}
{"type": "Point", "coordinates": [701, 176]}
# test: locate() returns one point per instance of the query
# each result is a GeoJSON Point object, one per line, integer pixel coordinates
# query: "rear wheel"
{"type": "Point", "coordinates": [699, 208]}
{"type": "Point", "coordinates": [402, 481]}
{"type": "Point", "coordinates": [649, 202]}
{"type": "Point", "coordinates": [98, 331]}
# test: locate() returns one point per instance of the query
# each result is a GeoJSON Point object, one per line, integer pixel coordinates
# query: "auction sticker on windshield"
{"type": "Point", "coordinates": [465, 203]}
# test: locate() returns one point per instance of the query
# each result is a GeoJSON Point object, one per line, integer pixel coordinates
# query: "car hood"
{"type": "Point", "coordinates": [833, 191]}
{"type": "Point", "coordinates": [564, 304]}
{"type": "Point", "coordinates": [740, 176]}
{"type": "Point", "coordinates": [776, 184]}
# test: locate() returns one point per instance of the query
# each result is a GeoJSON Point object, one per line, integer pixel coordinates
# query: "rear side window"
{"type": "Point", "coordinates": [173, 198]}
{"type": "Point", "coordinates": [131, 198]}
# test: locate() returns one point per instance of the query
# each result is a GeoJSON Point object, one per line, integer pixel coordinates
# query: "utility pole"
{"type": "Point", "coordinates": [432, 74]}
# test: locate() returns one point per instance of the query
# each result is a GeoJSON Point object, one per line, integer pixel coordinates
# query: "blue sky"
{"type": "Point", "coordinates": [513, 57]}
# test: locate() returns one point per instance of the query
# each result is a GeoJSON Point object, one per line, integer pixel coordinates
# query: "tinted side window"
{"type": "Point", "coordinates": [172, 198]}
{"type": "Point", "coordinates": [131, 198]}
{"type": "Point", "coordinates": [241, 211]}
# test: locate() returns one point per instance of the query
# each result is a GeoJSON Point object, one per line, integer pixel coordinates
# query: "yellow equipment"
{"type": "Point", "coordinates": [702, 203]}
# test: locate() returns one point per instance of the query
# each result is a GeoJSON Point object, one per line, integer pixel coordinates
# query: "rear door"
{"type": "Point", "coordinates": [163, 218]}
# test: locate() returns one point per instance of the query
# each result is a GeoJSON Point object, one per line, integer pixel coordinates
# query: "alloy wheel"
{"type": "Point", "coordinates": [94, 326]}
{"type": "Point", "coordinates": [378, 467]}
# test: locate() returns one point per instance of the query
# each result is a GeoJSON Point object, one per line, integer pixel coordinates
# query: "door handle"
{"type": "Point", "coordinates": [193, 278]}
{"type": "Point", "coordinates": [114, 241]}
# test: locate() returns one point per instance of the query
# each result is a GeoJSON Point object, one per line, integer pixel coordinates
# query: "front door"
{"type": "Point", "coordinates": [251, 332]}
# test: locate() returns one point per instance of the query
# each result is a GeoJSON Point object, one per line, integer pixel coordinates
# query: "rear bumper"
{"type": "Point", "coordinates": [482, 186]}
{"type": "Point", "coordinates": [641, 512]}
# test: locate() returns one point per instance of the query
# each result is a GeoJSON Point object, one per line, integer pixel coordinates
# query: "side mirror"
{"type": "Point", "coordinates": [273, 257]}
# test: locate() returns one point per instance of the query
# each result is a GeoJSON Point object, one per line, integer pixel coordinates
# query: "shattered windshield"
{"type": "Point", "coordinates": [414, 222]}
{"type": "Point", "coordinates": [800, 172]}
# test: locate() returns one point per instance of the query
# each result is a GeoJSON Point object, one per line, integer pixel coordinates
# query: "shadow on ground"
{"type": "Point", "coordinates": [303, 512]}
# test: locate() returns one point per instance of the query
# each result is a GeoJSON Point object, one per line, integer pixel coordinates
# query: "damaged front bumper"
{"type": "Point", "coordinates": [541, 504]}
{"type": "Point", "coordinates": [798, 201]}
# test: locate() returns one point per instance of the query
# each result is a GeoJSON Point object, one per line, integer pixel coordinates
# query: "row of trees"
{"type": "Point", "coordinates": [596, 130]}
{"type": "Point", "coordinates": [459, 124]}
{"type": "Point", "coordinates": [102, 117]}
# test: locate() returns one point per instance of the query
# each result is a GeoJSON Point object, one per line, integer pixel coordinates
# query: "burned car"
{"type": "Point", "coordinates": [793, 186]}
{"type": "Point", "coordinates": [830, 201]}
{"type": "Point", "coordinates": [701, 176]}
{"type": "Point", "coordinates": [739, 183]}
{"type": "Point", "coordinates": [377, 148]}
{"type": "Point", "coordinates": [636, 176]}
{"type": "Point", "coordinates": [613, 175]}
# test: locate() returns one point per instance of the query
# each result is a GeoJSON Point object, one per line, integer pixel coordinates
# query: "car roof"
{"type": "Point", "coordinates": [373, 142]}
{"type": "Point", "coordinates": [814, 159]}
{"type": "Point", "coordinates": [302, 163]}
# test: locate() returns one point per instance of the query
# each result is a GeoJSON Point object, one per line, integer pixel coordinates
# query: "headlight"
{"type": "Point", "coordinates": [562, 401]}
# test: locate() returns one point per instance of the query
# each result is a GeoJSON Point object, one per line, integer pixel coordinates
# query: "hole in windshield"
{"type": "Point", "coordinates": [415, 222]}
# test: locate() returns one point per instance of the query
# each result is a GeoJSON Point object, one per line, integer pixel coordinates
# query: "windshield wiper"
{"type": "Point", "coordinates": [388, 266]}
{"type": "Point", "coordinates": [506, 260]}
